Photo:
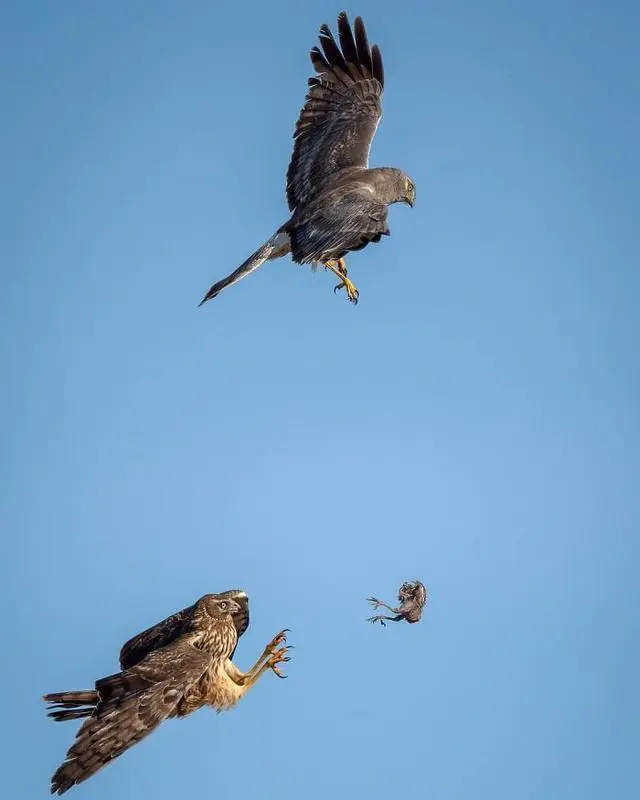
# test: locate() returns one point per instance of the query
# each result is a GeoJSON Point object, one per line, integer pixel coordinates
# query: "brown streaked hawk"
{"type": "Point", "coordinates": [175, 667]}
{"type": "Point", "coordinates": [338, 203]}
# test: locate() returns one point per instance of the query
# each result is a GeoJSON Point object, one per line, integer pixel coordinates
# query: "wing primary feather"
{"type": "Point", "coordinates": [347, 41]}
{"type": "Point", "coordinates": [331, 50]}
{"type": "Point", "coordinates": [320, 63]}
{"type": "Point", "coordinates": [378, 68]}
{"type": "Point", "coordinates": [362, 45]}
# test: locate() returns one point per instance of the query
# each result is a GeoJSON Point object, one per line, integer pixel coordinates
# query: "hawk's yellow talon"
{"type": "Point", "coordinates": [339, 268]}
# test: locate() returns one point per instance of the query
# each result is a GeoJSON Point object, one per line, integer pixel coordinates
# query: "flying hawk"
{"type": "Point", "coordinates": [337, 203]}
{"type": "Point", "coordinates": [412, 598]}
{"type": "Point", "coordinates": [169, 670]}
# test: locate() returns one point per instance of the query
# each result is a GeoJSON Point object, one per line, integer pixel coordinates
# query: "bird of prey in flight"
{"type": "Point", "coordinates": [412, 598]}
{"type": "Point", "coordinates": [337, 202]}
{"type": "Point", "coordinates": [173, 668]}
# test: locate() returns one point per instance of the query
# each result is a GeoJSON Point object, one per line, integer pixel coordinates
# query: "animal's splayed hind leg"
{"type": "Point", "coordinates": [381, 619]}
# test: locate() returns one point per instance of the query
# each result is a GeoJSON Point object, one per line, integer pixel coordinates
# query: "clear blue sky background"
{"type": "Point", "coordinates": [473, 422]}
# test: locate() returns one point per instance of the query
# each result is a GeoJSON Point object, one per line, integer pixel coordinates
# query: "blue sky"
{"type": "Point", "coordinates": [473, 422]}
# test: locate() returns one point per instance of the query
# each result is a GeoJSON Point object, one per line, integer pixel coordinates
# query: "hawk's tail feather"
{"type": "Point", "coordinates": [64, 706]}
{"type": "Point", "coordinates": [65, 715]}
{"type": "Point", "coordinates": [278, 245]}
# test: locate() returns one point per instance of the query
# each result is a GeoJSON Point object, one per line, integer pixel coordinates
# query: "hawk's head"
{"type": "Point", "coordinates": [409, 196]}
{"type": "Point", "coordinates": [218, 606]}
{"type": "Point", "coordinates": [241, 601]}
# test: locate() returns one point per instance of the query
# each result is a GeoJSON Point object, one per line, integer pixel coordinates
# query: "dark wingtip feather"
{"type": "Point", "coordinates": [352, 56]}
{"type": "Point", "coordinates": [318, 60]}
{"type": "Point", "coordinates": [362, 44]}
{"type": "Point", "coordinates": [332, 52]}
{"type": "Point", "coordinates": [347, 41]}
{"type": "Point", "coordinates": [378, 68]}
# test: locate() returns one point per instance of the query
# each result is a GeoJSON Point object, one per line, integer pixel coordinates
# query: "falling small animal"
{"type": "Point", "coordinates": [412, 598]}
{"type": "Point", "coordinates": [337, 203]}
{"type": "Point", "coordinates": [173, 668]}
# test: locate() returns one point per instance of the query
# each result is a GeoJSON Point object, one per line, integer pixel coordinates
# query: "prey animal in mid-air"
{"type": "Point", "coordinates": [337, 202]}
{"type": "Point", "coordinates": [412, 598]}
{"type": "Point", "coordinates": [170, 670]}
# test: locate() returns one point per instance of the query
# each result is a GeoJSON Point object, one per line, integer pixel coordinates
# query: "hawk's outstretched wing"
{"type": "Point", "coordinates": [131, 705]}
{"type": "Point", "coordinates": [165, 632]}
{"type": "Point", "coordinates": [341, 111]}
{"type": "Point", "coordinates": [157, 636]}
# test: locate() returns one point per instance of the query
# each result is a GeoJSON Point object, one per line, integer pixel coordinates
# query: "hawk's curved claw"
{"type": "Point", "coordinates": [278, 639]}
{"type": "Point", "coordinates": [339, 268]}
{"type": "Point", "coordinates": [352, 293]}
{"type": "Point", "coordinates": [279, 657]}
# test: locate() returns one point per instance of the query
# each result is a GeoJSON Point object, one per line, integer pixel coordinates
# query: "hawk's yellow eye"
{"type": "Point", "coordinates": [223, 605]}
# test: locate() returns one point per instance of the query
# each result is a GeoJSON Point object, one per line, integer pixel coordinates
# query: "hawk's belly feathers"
{"type": "Point", "coordinates": [215, 689]}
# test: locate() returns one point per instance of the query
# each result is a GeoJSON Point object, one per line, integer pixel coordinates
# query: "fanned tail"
{"type": "Point", "coordinates": [64, 706]}
{"type": "Point", "coordinates": [277, 246]}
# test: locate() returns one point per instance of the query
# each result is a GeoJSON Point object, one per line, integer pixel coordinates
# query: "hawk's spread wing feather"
{"type": "Point", "coordinates": [165, 632]}
{"type": "Point", "coordinates": [153, 638]}
{"type": "Point", "coordinates": [131, 705]}
{"type": "Point", "coordinates": [341, 112]}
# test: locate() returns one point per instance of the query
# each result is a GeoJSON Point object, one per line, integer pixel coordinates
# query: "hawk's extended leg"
{"type": "Point", "coordinates": [269, 651]}
{"type": "Point", "coordinates": [271, 655]}
{"type": "Point", "coordinates": [278, 657]}
{"type": "Point", "coordinates": [339, 268]}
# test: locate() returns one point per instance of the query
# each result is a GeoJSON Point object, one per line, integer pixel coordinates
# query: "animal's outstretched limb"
{"type": "Point", "coordinates": [379, 604]}
{"type": "Point", "coordinates": [339, 268]}
{"type": "Point", "coordinates": [271, 656]}
{"type": "Point", "coordinates": [381, 619]}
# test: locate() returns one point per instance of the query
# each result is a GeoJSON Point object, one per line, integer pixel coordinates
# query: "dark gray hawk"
{"type": "Point", "coordinates": [412, 598]}
{"type": "Point", "coordinates": [338, 204]}
{"type": "Point", "coordinates": [169, 670]}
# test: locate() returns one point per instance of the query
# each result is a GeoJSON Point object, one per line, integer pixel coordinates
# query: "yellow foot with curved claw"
{"type": "Point", "coordinates": [352, 292]}
{"type": "Point", "coordinates": [339, 268]}
{"type": "Point", "coordinates": [279, 657]}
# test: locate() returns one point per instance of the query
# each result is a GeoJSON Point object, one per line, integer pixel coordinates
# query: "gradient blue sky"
{"type": "Point", "coordinates": [473, 422]}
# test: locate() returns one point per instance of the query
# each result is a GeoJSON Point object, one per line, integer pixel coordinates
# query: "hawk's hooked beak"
{"type": "Point", "coordinates": [233, 607]}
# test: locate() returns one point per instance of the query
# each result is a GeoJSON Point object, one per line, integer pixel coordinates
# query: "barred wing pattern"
{"type": "Point", "coordinates": [165, 632]}
{"type": "Point", "coordinates": [131, 705]}
{"type": "Point", "coordinates": [341, 111]}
